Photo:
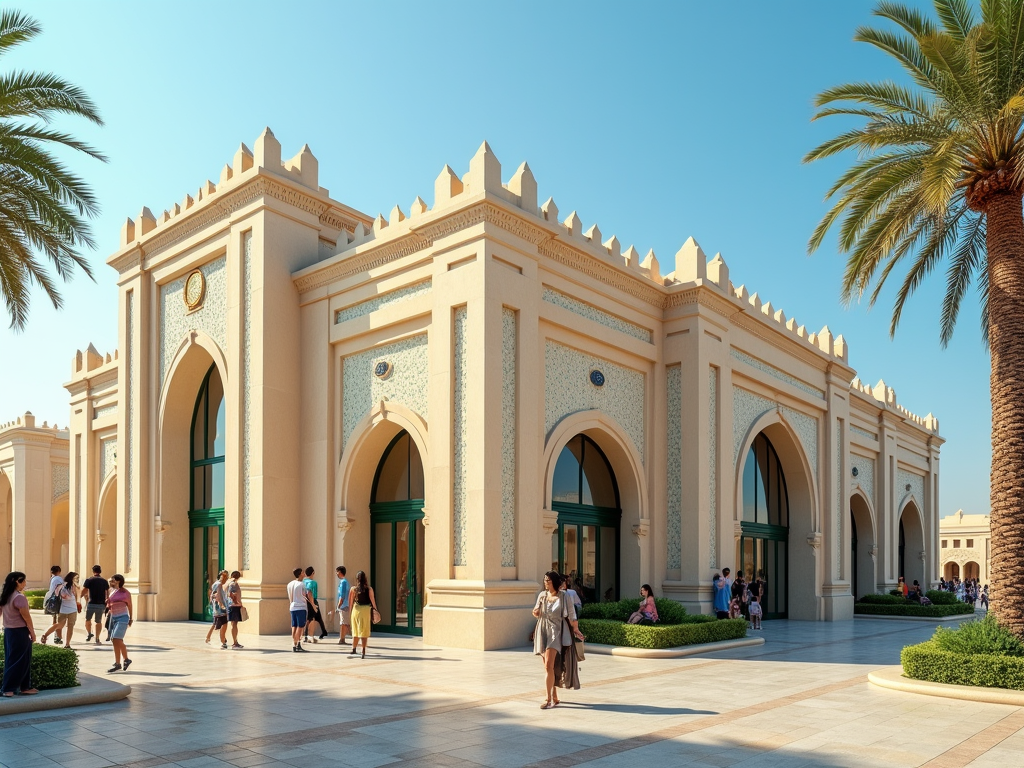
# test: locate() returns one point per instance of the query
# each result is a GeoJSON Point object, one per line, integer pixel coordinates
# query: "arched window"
{"type": "Point", "coordinates": [400, 472]}
{"type": "Point", "coordinates": [765, 499]}
{"type": "Point", "coordinates": [764, 538]}
{"type": "Point", "coordinates": [586, 498]}
{"type": "Point", "coordinates": [208, 442]}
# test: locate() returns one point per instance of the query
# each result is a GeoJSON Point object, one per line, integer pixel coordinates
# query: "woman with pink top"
{"type": "Point", "coordinates": [120, 606]}
{"type": "Point", "coordinates": [647, 609]}
{"type": "Point", "coordinates": [19, 634]}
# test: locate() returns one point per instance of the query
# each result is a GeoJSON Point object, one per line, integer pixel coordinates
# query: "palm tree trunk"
{"type": "Point", "coordinates": [1005, 241]}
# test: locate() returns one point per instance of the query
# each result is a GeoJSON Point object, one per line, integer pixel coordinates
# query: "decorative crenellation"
{"type": "Point", "coordinates": [885, 397]}
{"type": "Point", "coordinates": [823, 341]}
{"type": "Point", "coordinates": [88, 361]}
{"type": "Point", "coordinates": [382, 301]}
{"type": "Point", "coordinates": [28, 421]}
{"type": "Point", "coordinates": [606, 319]}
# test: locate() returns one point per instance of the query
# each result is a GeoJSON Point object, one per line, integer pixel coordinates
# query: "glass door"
{"type": "Point", "coordinates": [396, 569]}
{"type": "Point", "coordinates": [206, 560]}
{"type": "Point", "coordinates": [762, 555]}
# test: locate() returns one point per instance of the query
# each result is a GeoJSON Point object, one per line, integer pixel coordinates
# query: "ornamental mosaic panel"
{"type": "Point", "coordinates": [108, 457]}
{"type": "Point", "coordinates": [863, 432]}
{"type": "Point", "coordinates": [568, 389]}
{"type": "Point", "coordinates": [406, 382]}
{"type": "Point", "coordinates": [246, 384]}
{"type": "Point", "coordinates": [382, 301]}
{"type": "Point", "coordinates": [59, 480]}
{"type": "Point", "coordinates": [104, 410]}
{"type": "Point", "coordinates": [508, 438]}
{"type": "Point", "coordinates": [865, 474]}
{"type": "Point", "coordinates": [748, 408]}
{"type": "Point", "coordinates": [130, 431]}
{"type": "Point", "coordinates": [771, 370]}
{"type": "Point", "coordinates": [712, 467]}
{"type": "Point", "coordinates": [916, 483]}
{"type": "Point", "coordinates": [460, 440]}
{"type": "Point", "coordinates": [211, 318]}
{"type": "Point", "coordinates": [599, 316]}
{"type": "Point", "coordinates": [840, 507]}
{"type": "Point", "coordinates": [674, 473]}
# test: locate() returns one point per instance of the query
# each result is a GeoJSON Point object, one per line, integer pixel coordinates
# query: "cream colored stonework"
{"type": "Point", "coordinates": [965, 547]}
{"type": "Point", "coordinates": [491, 315]}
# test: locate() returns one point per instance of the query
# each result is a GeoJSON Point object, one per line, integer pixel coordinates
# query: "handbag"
{"type": "Point", "coordinates": [243, 613]}
{"type": "Point", "coordinates": [52, 604]}
{"type": "Point", "coordinates": [375, 616]}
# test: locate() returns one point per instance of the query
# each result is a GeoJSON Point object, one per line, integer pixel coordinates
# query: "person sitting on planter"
{"type": "Point", "coordinates": [647, 610]}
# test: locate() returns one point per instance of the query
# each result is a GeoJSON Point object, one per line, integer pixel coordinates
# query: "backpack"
{"type": "Point", "coordinates": [52, 604]}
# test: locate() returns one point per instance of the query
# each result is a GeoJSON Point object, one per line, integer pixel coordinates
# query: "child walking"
{"type": "Point", "coordinates": [755, 611]}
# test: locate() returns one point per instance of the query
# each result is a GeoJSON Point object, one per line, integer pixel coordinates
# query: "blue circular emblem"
{"type": "Point", "coordinates": [597, 378]}
{"type": "Point", "coordinates": [382, 369]}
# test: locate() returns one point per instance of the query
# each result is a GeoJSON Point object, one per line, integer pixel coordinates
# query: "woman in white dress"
{"type": "Point", "coordinates": [552, 635]}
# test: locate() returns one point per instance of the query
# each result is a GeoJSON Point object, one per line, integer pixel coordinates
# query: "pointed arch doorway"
{"type": "Point", "coordinates": [396, 537]}
{"type": "Point", "coordinates": [206, 494]}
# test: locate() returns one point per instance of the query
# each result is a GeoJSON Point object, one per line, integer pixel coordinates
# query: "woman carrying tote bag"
{"type": "Point", "coordinates": [556, 627]}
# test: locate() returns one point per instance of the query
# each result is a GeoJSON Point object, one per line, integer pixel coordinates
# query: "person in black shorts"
{"type": "Point", "coordinates": [98, 589]}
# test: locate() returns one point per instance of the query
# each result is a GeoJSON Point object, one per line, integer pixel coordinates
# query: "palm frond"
{"type": "Point", "coordinates": [965, 262]}
{"type": "Point", "coordinates": [16, 28]}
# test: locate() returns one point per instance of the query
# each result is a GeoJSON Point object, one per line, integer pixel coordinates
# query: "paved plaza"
{"type": "Point", "coordinates": [802, 699]}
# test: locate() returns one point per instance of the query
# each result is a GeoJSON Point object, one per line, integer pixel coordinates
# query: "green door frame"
{"type": "Point", "coordinates": [585, 514]}
{"type": "Point", "coordinates": [774, 533]}
{"type": "Point", "coordinates": [205, 519]}
{"type": "Point", "coordinates": [394, 512]}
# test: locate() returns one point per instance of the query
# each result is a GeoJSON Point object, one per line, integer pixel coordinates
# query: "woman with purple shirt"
{"type": "Point", "coordinates": [19, 634]}
{"type": "Point", "coordinates": [120, 606]}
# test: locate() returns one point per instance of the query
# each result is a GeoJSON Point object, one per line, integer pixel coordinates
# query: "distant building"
{"type": "Point", "coordinates": [965, 547]}
{"type": "Point", "coordinates": [459, 398]}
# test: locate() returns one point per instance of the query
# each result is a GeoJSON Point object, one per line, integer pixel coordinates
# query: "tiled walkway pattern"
{"type": "Point", "coordinates": [802, 699]}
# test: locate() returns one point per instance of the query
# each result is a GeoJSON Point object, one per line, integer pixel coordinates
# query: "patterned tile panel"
{"type": "Point", "coordinates": [211, 318]}
{"type": "Point", "coordinates": [712, 467]}
{"type": "Point", "coordinates": [863, 432]}
{"type": "Point", "coordinates": [407, 383]}
{"type": "Point", "coordinates": [460, 437]}
{"type": "Point", "coordinates": [130, 432]}
{"type": "Point", "coordinates": [916, 483]}
{"type": "Point", "coordinates": [382, 301]}
{"type": "Point", "coordinates": [674, 474]}
{"type": "Point", "coordinates": [771, 370]}
{"type": "Point", "coordinates": [865, 475]}
{"type": "Point", "coordinates": [508, 437]}
{"type": "Point", "coordinates": [567, 389]}
{"type": "Point", "coordinates": [108, 457]}
{"type": "Point", "coordinates": [597, 315]}
{"type": "Point", "coordinates": [59, 480]}
{"type": "Point", "coordinates": [748, 408]}
{"type": "Point", "coordinates": [104, 410]}
{"type": "Point", "coordinates": [247, 425]}
{"type": "Point", "coordinates": [840, 506]}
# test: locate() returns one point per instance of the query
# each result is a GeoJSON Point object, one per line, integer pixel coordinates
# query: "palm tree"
{"type": "Point", "coordinates": [939, 180]}
{"type": "Point", "coordinates": [43, 206]}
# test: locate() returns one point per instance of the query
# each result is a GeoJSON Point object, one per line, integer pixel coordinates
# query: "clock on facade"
{"type": "Point", "coordinates": [382, 369]}
{"type": "Point", "coordinates": [195, 290]}
{"type": "Point", "coordinates": [597, 378]}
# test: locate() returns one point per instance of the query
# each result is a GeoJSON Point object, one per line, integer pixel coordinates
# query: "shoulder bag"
{"type": "Point", "coordinates": [577, 644]}
{"type": "Point", "coordinates": [243, 613]}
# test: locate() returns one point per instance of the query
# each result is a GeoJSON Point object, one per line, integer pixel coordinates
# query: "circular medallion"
{"type": "Point", "coordinates": [855, 471]}
{"type": "Point", "coordinates": [382, 369]}
{"type": "Point", "coordinates": [597, 378]}
{"type": "Point", "coordinates": [195, 290]}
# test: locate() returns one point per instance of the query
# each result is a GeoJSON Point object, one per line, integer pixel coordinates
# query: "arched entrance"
{"type": "Point", "coordinates": [764, 538]}
{"type": "Point", "coordinates": [397, 537]}
{"type": "Point", "coordinates": [206, 494]}
{"type": "Point", "coordinates": [862, 543]}
{"type": "Point", "coordinates": [106, 529]}
{"type": "Point", "coordinates": [971, 570]}
{"type": "Point", "coordinates": [911, 532]}
{"type": "Point", "coordinates": [586, 497]}
{"type": "Point", "coordinates": [59, 533]}
{"type": "Point", "coordinates": [951, 571]}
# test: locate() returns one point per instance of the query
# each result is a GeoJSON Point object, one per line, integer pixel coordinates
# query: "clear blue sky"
{"type": "Point", "coordinates": [656, 122]}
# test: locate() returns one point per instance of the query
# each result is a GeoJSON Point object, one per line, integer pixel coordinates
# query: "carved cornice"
{"type": "Point", "coordinates": [128, 261]}
{"type": "Point", "coordinates": [370, 259]}
{"type": "Point", "coordinates": [606, 273]}
{"type": "Point", "coordinates": [705, 296]}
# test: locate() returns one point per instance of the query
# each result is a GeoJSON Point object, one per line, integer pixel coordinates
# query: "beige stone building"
{"type": "Point", "coordinates": [457, 398]}
{"type": "Point", "coordinates": [965, 547]}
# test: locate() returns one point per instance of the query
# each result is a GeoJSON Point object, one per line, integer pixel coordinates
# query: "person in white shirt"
{"type": "Point", "coordinates": [56, 582]}
{"type": "Point", "coordinates": [297, 603]}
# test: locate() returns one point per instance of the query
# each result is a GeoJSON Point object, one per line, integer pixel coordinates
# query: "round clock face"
{"type": "Point", "coordinates": [597, 378]}
{"type": "Point", "coordinates": [194, 288]}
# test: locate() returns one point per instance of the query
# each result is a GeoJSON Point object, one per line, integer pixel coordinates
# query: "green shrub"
{"type": "Point", "coordinates": [35, 593]}
{"type": "Point", "coordinates": [927, 661]}
{"type": "Point", "coordinates": [939, 597]}
{"type": "Point", "coordinates": [669, 611]}
{"type": "Point", "coordinates": [610, 632]}
{"type": "Point", "coordinates": [884, 600]}
{"type": "Point", "coordinates": [986, 637]}
{"type": "Point", "coordinates": [912, 609]}
{"type": "Point", "coordinates": [36, 602]}
{"type": "Point", "coordinates": [896, 592]}
{"type": "Point", "coordinates": [52, 666]}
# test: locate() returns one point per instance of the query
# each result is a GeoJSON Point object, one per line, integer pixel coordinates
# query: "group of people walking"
{"type": "Point", "coordinates": [967, 590]}
{"type": "Point", "coordinates": [739, 598]}
{"type": "Point", "coordinates": [356, 607]}
{"type": "Point", "coordinates": [64, 600]}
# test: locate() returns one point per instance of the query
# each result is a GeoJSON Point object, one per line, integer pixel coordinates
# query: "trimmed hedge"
{"type": "Point", "coordinates": [939, 597]}
{"type": "Point", "coordinates": [35, 602]}
{"type": "Point", "coordinates": [52, 666]}
{"type": "Point", "coordinates": [35, 593]}
{"type": "Point", "coordinates": [611, 632]}
{"type": "Point", "coordinates": [669, 611]}
{"type": "Point", "coordinates": [884, 600]}
{"type": "Point", "coordinates": [927, 661]}
{"type": "Point", "coordinates": [912, 609]}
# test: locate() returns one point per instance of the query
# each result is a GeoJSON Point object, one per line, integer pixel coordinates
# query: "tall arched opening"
{"type": "Point", "coordinates": [585, 495]}
{"type": "Point", "coordinates": [59, 532]}
{"type": "Point", "coordinates": [106, 529]}
{"type": "Point", "coordinates": [397, 554]}
{"type": "Point", "coordinates": [862, 544]}
{"type": "Point", "coordinates": [951, 571]}
{"type": "Point", "coordinates": [911, 545]}
{"type": "Point", "coordinates": [971, 570]}
{"type": "Point", "coordinates": [764, 538]}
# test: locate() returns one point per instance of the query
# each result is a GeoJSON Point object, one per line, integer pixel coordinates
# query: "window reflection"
{"type": "Point", "coordinates": [765, 498]}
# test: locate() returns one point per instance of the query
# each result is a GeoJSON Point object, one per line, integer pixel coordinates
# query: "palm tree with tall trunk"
{"type": "Point", "coordinates": [939, 181]}
{"type": "Point", "coordinates": [43, 206]}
